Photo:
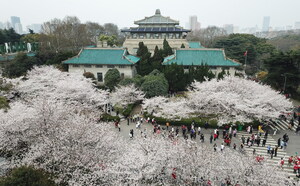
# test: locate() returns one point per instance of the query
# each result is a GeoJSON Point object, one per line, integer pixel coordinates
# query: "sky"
{"type": "Point", "coordinates": [242, 13]}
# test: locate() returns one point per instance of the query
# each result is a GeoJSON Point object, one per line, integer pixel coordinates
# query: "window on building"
{"type": "Point", "coordinates": [122, 66]}
{"type": "Point", "coordinates": [213, 68]}
{"type": "Point", "coordinates": [186, 67]}
{"type": "Point", "coordinates": [88, 66]}
{"type": "Point", "coordinates": [225, 68]}
{"type": "Point", "coordinates": [99, 77]}
{"type": "Point", "coordinates": [99, 66]}
{"type": "Point", "coordinates": [76, 66]}
{"type": "Point", "coordinates": [110, 66]}
{"type": "Point", "coordinates": [122, 75]}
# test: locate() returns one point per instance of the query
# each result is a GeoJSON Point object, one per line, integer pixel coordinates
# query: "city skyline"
{"type": "Point", "coordinates": [215, 12]}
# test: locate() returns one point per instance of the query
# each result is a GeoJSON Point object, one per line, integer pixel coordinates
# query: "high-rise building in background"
{"type": "Point", "coordinates": [16, 24]}
{"type": "Point", "coordinates": [228, 28]}
{"type": "Point", "coordinates": [289, 27]}
{"type": "Point", "coordinates": [194, 24]}
{"type": "Point", "coordinates": [266, 24]}
{"type": "Point", "coordinates": [35, 27]}
{"type": "Point", "coordinates": [297, 25]}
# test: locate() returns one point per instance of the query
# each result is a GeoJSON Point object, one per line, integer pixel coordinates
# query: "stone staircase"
{"type": "Point", "coordinates": [288, 170]}
{"type": "Point", "coordinates": [280, 124]}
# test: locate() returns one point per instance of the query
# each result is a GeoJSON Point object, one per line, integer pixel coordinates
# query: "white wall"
{"type": "Point", "coordinates": [129, 70]}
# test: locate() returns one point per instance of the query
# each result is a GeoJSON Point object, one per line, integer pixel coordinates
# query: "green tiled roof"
{"type": "Point", "coordinates": [211, 57]}
{"type": "Point", "coordinates": [195, 45]}
{"type": "Point", "coordinates": [103, 56]}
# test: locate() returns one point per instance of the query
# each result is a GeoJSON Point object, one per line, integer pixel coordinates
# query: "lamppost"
{"type": "Point", "coordinates": [284, 75]}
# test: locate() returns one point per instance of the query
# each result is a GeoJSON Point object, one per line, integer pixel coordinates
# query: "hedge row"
{"type": "Point", "coordinates": [108, 118]}
{"type": "Point", "coordinates": [184, 121]}
{"type": "Point", "coordinates": [213, 123]}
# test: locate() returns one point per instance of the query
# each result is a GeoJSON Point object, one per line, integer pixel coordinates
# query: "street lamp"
{"type": "Point", "coordinates": [284, 82]}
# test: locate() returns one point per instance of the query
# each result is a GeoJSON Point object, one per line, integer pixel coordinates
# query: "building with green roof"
{"type": "Point", "coordinates": [99, 60]}
{"type": "Point", "coordinates": [152, 31]}
{"type": "Point", "coordinates": [214, 58]}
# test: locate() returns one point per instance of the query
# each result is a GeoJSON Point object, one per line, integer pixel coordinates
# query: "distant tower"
{"type": "Point", "coordinates": [297, 25]}
{"type": "Point", "coordinates": [194, 24]}
{"type": "Point", "coordinates": [266, 24]}
{"type": "Point", "coordinates": [228, 28]}
{"type": "Point", "coordinates": [16, 24]}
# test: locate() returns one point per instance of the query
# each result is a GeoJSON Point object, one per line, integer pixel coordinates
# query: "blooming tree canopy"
{"type": "Point", "coordinates": [124, 95]}
{"type": "Point", "coordinates": [70, 88]}
{"type": "Point", "coordinates": [229, 99]}
{"type": "Point", "coordinates": [53, 125]}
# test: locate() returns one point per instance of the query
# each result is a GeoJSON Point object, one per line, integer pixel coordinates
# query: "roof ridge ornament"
{"type": "Point", "coordinates": [157, 12]}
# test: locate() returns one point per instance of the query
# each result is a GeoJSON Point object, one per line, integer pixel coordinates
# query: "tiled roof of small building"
{"type": "Point", "coordinates": [211, 57]}
{"type": "Point", "coordinates": [103, 56]}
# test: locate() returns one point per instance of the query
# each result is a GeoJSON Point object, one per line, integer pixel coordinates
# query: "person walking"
{"type": "Point", "coordinates": [278, 142]}
{"type": "Point", "coordinates": [269, 149]}
{"type": "Point", "coordinates": [199, 130]}
{"type": "Point", "coordinates": [243, 139]}
{"type": "Point", "coordinates": [211, 138]}
{"type": "Point", "coordinates": [215, 147]}
{"type": "Point", "coordinates": [264, 142]}
{"type": "Point", "coordinates": [281, 163]}
{"type": "Point", "coordinates": [234, 146]}
{"type": "Point", "coordinates": [275, 151]}
{"type": "Point", "coordinates": [167, 125]}
{"type": "Point", "coordinates": [272, 153]}
{"type": "Point", "coordinates": [222, 147]}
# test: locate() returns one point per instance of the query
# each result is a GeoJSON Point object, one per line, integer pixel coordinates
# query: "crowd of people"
{"type": "Point", "coordinates": [192, 131]}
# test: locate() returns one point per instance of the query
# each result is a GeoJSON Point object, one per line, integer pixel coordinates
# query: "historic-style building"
{"type": "Point", "coordinates": [99, 60]}
{"type": "Point", "coordinates": [214, 58]}
{"type": "Point", "coordinates": [152, 31]}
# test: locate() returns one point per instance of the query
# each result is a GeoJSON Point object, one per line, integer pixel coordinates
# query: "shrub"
{"type": "Point", "coordinates": [108, 118]}
{"type": "Point", "coordinates": [23, 176]}
{"type": "Point", "coordinates": [89, 75]}
{"type": "Point", "coordinates": [185, 121]}
{"type": "Point", "coordinates": [3, 103]}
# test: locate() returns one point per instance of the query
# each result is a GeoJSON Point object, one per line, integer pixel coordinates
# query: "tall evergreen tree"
{"type": "Point", "coordinates": [167, 50]}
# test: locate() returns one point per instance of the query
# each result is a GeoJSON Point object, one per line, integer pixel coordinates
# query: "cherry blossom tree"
{"type": "Point", "coordinates": [230, 99]}
{"type": "Point", "coordinates": [158, 160]}
{"type": "Point", "coordinates": [237, 99]}
{"type": "Point", "coordinates": [70, 88]}
{"type": "Point", "coordinates": [124, 95]}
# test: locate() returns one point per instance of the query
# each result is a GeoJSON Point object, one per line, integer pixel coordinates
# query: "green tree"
{"type": "Point", "coordinates": [167, 50]}
{"type": "Point", "coordinates": [27, 176]}
{"type": "Point", "coordinates": [144, 66]}
{"type": "Point", "coordinates": [236, 45]}
{"type": "Point", "coordinates": [200, 73]}
{"type": "Point", "coordinates": [112, 78]}
{"type": "Point", "coordinates": [182, 46]}
{"type": "Point", "coordinates": [155, 84]}
{"type": "Point", "coordinates": [20, 65]}
{"type": "Point", "coordinates": [176, 78]}
{"type": "Point", "coordinates": [126, 81]}
{"type": "Point", "coordinates": [221, 74]}
{"type": "Point", "coordinates": [111, 40]}
{"type": "Point", "coordinates": [283, 71]}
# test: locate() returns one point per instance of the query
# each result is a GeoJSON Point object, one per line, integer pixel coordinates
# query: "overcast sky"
{"type": "Point", "coordinates": [242, 13]}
